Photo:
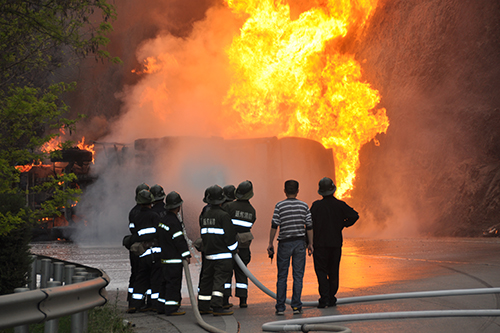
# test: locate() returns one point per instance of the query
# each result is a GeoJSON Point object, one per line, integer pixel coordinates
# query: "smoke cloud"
{"type": "Point", "coordinates": [436, 65]}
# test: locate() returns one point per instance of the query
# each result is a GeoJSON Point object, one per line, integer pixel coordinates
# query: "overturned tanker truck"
{"type": "Point", "coordinates": [268, 162]}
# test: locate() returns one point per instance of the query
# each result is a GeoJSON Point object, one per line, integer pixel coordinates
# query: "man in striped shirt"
{"type": "Point", "coordinates": [293, 218]}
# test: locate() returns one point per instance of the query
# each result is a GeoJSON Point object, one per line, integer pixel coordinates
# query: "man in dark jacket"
{"type": "Point", "coordinates": [329, 216]}
{"type": "Point", "coordinates": [219, 245]}
{"type": "Point", "coordinates": [243, 217]}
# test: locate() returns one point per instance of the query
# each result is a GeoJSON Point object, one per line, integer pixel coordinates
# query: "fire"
{"type": "Point", "coordinates": [290, 80]}
{"type": "Point", "coordinates": [81, 144]}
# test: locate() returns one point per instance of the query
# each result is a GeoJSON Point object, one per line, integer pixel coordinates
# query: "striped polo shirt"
{"type": "Point", "coordinates": [293, 217]}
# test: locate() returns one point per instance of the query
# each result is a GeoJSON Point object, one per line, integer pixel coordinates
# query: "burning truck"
{"type": "Point", "coordinates": [185, 164]}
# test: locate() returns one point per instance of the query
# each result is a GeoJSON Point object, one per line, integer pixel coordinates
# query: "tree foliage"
{"type": "Point", "coordinates": [37, 38]}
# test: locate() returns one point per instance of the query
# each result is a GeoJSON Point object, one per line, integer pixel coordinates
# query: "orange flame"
{"type": "Point", "coordinates": [81, 144]}
{"type": "Point", "coordinates": [290, 81]}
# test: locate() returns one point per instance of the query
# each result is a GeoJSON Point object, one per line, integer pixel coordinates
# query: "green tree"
{"type": "Point", "coordinates": [37, 38]}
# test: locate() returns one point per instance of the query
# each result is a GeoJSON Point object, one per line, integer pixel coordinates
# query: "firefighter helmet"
{"type": "Point", "coordinates": [326, 187]}
{"type": "Point", "coordinates": [214, 195]}
{"type": "Point", "coordinates": [158, 192]}
{"type": "Point", "coordinates": [244, 190]}
{"type": "Point", "coordinates": [173, 200]}
{"type": "Point", "coordinates": [229, 192]}
{"type": "Point", "coordinates": [141, 187]}
{"type": "Point", "coordinates": [144, 197]}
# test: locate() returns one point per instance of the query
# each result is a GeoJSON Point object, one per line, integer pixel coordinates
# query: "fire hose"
{"type": "Point", "coordinates": [320, 323]}
{"type": "Point", "coordinates": [194, 303]}
{"type": "Point", "coordinates": [317, 323]}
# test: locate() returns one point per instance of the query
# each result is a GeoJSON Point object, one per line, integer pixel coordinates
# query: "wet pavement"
{"type": "Point", "coordinates": [368, 267]}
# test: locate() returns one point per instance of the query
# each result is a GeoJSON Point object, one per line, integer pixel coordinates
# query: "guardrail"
{"type": "Point", "coordinates": [65, 289]}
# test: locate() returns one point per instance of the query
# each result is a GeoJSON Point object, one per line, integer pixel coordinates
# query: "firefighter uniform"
{"type": "Point", "coordinates": [148, 275]}
{"type": "Point", "coordinates": [174, 250]}
{"type": "Point", "coordinates": [243, 217]}
{"type": "Point", "coordinates": [219, 244]}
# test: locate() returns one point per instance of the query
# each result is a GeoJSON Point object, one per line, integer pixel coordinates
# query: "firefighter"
{"type": "Point", "coordinates": [219, 245]}
{"type": "Point", "coordinates": [243, 217]}
{"type": "Point", "coordinates": [134, 259]}
{"type": "Point", "coordinates": [174, 250]}
{"type": "Point", "coordinates": [145, 245]}
{"type": "Point", "coordinates": [229, 193]}
{"type": "Point", "coordinates": [158, 206]}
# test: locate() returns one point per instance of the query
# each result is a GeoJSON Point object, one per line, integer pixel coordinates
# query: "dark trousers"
{"type": "Point", "coordinates": [241, 288]}
{"type": "Point", "coordinates": [172, 274]}
{"type": "Point", "coordinates": [214, 276]}
{"type": "Point", "coordinates": [134, 266]}
{"type": "Point", "coordinates": [149, 275]}
{"type": "Point", "coordinates": [326, 266]}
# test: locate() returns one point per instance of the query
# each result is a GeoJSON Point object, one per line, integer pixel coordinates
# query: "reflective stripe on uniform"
{"type": "Point", "coordinates": [151, 250]}
{"type": "Point", "coordinates": [242, 285]}
{"type": "Point", "coordinates": [216, 231]}
{"type": "Point", "coordinates": [130, 290]}
{"type": "Point", "coordinates": [227, 285]}
{"type": "Point", "coordinates": [163, 226]}
{"type": "Point", "coordinates": [146, 231]}
{"type": "Point", "coordinates": [148, 292]}
{"type": "Point", "coordinates": [185, 254]}
{"type": "Point", "coordinates": [242, 223]}
{"type": "Point", "coordinates": [161, 300]}
{"type": "Point", "coordinates": [219, 256]}
{"type": "Point", "coordinates": [131, 225]}
{"type": "Point", "coordinates": [137, 296]}
{"type": "Point", "coordinates": [177, 234]}
{"type": "Point", "coordinates": [171, 261]}
{"type": "Point", "coordinates": [171, 303]}
{"type": "Point", "coordinates": [204, 298]}
{"type": "Point", "coordinates": [233, 247]}
{"type": "Point", "coordinates": [155, 295]}
{"type": "Point", "coordinates": [217, 293]}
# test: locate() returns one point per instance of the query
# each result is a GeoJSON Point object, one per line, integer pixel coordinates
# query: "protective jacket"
{"type": "Point", "coordinates": [330, 216]}
{"type": "Point", "coordinates": [172, 241]}
{"type": "Point", "coordinates": [218, 234]}
{"type": "Point", "coordinates": [144, 229]}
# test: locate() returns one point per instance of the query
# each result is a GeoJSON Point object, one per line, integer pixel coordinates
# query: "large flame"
{"type": "Point", "coordinates": [290, 81]}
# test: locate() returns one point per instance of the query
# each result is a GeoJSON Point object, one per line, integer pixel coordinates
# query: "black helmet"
{"type": "Point", "coordinates": [144, 197]}
{"type": "Point", "coordinates": [143, 186]}
{"type": "Point", "coordinates": [157, 192]}
{"type": "Point", "coordinates": [173, 200]}
{"type": "Point", "coordinates": [244, 190]}
{"type": "Point", "coordinates": [229, 192]}
{"type": "Point", "coordinates": [214, 195]}
{"type": "Point", "coordinates": [326, 187]}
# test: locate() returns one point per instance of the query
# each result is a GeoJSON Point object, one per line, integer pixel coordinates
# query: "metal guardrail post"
{"type": "Point", "coordinates": [46, 263]}
{"type": "Point", "coordinates": [52, 326]}
{"type": "Point", "coordinates": [77, 318]}
{"type": "Point", "coordinates": [58, 271]}
{"type": "Point", "coordinates": [22, 328]}
{"type": "Point", "coordinates": [69, 271]}
{"type": "Point", "coordinates": [86, 277]}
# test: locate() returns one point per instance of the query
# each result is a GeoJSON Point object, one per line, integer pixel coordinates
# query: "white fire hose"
{"type": "Point", "coordinates": [317, 323]}
{"type": "Point", "coordinates": [194, 303]}
{"type": "Point", "coordinates": [320, 323]}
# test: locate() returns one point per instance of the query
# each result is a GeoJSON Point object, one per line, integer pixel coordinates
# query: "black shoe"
{"type": "Point", "coordinates": [222, 312]}
{"type": "Point", "coordinates": [322, 305]}
{"type": "Point", "coordinates": [243, 302]}
{"type": "Point", "coordinates": [204, 312]}
{"type": "Point", "coordinates": [297, 310]}
{"type": "Point", "coordinates": [227, 305]}
{"type": "Point", "coordinates": [131, 310]}
{"type": "Point", "coordinates": [176, 313]}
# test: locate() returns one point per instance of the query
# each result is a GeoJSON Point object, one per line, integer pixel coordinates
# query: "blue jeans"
{"type": "Point", "coordinates": [297, 251]}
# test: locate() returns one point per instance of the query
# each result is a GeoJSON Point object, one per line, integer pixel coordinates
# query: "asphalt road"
{"type": "Point", "coordinates": [370, 267]}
